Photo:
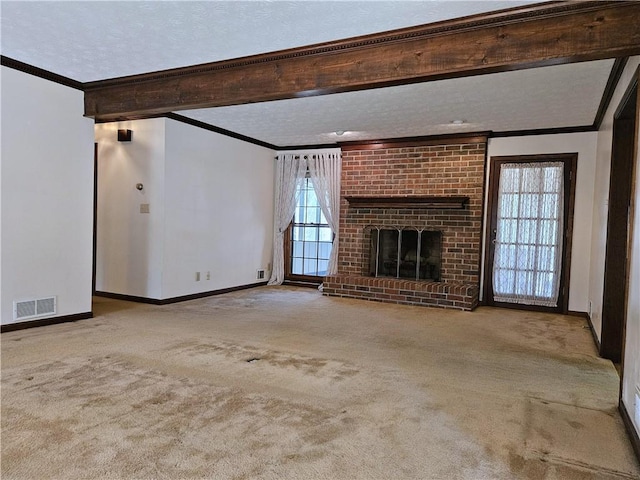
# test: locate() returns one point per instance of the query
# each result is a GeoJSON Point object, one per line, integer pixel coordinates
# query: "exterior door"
{"type": "Point", "coordinates": [529, 232]}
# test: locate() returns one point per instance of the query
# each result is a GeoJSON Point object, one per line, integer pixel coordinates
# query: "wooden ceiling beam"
{"type": "Point", "coordinates": [545, 34]}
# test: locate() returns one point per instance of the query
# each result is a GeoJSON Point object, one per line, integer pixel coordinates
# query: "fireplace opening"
{"type": "Point", "coordinates": [405, 253]}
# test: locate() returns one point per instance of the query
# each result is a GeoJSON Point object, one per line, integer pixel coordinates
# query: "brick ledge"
{"type": "Point", "coordinates": [457, 295]}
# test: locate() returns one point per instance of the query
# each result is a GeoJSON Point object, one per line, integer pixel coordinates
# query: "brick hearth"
{"type": "Point", "coordinates": [452, 169]}
{"type": "Point", "coordinates": [460, 295]}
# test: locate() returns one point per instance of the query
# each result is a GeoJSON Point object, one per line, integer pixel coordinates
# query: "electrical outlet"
{"type": "Point", "coordinates": [208, 275]}
{"type": "Point", "coordinates": [197, 276]}
{"type": "Point", "coordinates": [260, 274]}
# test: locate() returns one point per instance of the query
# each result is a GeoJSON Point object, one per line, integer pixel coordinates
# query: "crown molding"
{"type": "Point", "coordinates": [448, 139]}
{"type": "Point", "coordinates": [607, 95]}
{"type": "Point", "coordinates": [40, 72]}
{"type": "Point", "coordinates": [221, 131]}
{"type": "Point", "coordinates": [544, 131]}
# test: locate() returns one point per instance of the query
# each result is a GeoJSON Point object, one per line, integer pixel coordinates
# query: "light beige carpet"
{"type": "Point", "coordinates": [282, 383]}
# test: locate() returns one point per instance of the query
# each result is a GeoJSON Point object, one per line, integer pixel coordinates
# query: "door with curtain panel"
{"type": "Point", "coordinates": [529, 230]}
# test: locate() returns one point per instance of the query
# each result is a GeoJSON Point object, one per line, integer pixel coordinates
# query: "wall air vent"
{"type": "Point", "coordinates": [26, 309]}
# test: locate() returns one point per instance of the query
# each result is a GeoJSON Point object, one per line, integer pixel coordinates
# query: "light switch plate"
{"type": "Point", "coordinates": [144, 208]}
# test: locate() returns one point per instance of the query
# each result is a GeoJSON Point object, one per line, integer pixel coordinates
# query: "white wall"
{"type": "Point", "coordinates": [47, 195]}
{"type": "Point", "coordinates": [585, 145]}
{"type": "Point", "coordinates": [601, 197]}
{"type": "Point", "coordinates": [219, 210]}
{"type": "Point", "coordinates": [130, 243]}
{"type": "Point", "coordinates": [211, 210]}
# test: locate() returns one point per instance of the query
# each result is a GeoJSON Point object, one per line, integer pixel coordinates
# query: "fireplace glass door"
{"type": "Point", "coordinates": [405, 253]}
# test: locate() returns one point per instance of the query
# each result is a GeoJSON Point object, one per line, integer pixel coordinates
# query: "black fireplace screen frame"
{"type": "Point", "coordinates": [405, 252]}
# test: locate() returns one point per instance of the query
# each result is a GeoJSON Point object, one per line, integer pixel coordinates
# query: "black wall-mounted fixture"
{"type": "Point", "coordinates": [124, 135]}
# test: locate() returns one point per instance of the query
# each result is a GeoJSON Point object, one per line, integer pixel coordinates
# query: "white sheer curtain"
{"type": "Point", "coordinates": [324, 171]}
{"type": "Point", "coordinates": [528, 247]}
{"type": "Point", "coordinates": [290, 170]}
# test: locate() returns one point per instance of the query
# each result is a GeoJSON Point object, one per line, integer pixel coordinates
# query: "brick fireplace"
{"type": "Point", "coordinates": [428, 186]}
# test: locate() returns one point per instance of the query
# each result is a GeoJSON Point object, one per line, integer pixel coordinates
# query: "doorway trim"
{"type": "Point", "coordinates": [95, 219]}
{"type": "Point", "coordinates": [632, 90]}
{"type": "Point", "coordinates": [570, 161]}
{"type": "Point", "coordinates": [619, 219]}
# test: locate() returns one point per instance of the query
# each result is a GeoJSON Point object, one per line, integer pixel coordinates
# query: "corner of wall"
{"type": "Point", "coordinates": [130, 229]}
{"type": "Point", "coordinates": [47, 178]}
{"type": "Point", "coordinates": [219, 211]}
{"type": "Point", "coordinates": [601, 196]}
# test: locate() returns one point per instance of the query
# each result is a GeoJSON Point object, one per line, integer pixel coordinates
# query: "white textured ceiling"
{"type": "Point", "coordinates": [549, 97]}
{"type": "Point", "coordinates": [94, 40]}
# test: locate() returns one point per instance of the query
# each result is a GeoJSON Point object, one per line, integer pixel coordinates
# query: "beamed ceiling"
{"type": "Point", "coordinates": [293, 73]}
